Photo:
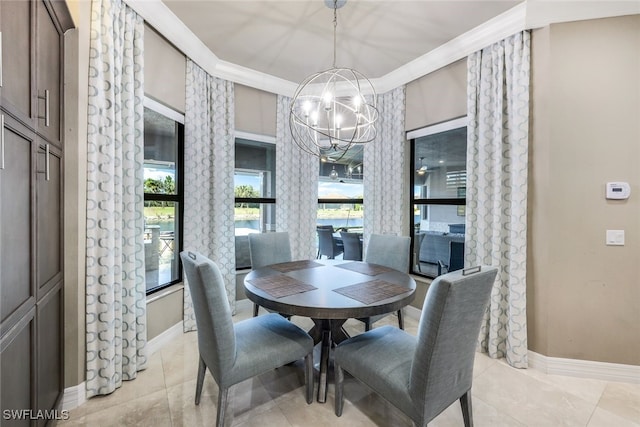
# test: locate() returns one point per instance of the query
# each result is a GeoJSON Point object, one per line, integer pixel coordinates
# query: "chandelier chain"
{"type": "Point", "coordinates": [335, 27]}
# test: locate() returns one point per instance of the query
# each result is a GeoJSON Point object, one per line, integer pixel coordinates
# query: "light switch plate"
{"type": "Point", "coordinates": [615, 237]}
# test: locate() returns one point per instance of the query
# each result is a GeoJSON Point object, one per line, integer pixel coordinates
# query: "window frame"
{"type": "Point", "coordinates": [412, 137]}
{"type": "Point", "coordinates": [179, 196]}
{"type": "Point", "coordinates": [247, 136]}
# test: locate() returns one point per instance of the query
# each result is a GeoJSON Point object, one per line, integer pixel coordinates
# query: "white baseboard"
{"type": "Point", "coordinates": [164, 338]}
{"type": "Point", "coordinates": [585, 368]}
{"type": "Point", "coordinates": [412, 313]}
{"type": "Point", "coordinates": [77, 395]}
{"type": "Point", "coordinates": [74, 396]}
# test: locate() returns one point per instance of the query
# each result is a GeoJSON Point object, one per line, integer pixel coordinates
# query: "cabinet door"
{"type": "Point", "coordinates": [15, 220]}
{"type": "Point", "coordinates": [17, 52]}
{"type": "Point", "coordinates": [48, 63]}
{"type": "Point", "coordinates": [48, 217]}
{"type": "Point", "coordinates": [49, 333]}
{"type": "Point", "coordinates": [17, 367]}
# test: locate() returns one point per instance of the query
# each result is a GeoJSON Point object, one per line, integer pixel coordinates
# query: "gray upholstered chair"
{"type": "Point", "coordinates": [234, 353]}
{"type": "Point", "coordinates": [389, 251]}
{"type": "Point", "coordinates": [352, 246]}
{"type": "Point", "coordinates": [267, 249]}
{"type": "Point", "coordinates": [424, 375]}
{"type": "Point", "coordinates": [327, 245]}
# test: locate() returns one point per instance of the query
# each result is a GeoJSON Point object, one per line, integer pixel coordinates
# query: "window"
{"type": "Point", "coordinates": [163, 189]}
{"type": "Point", "coordinates": [340, 192]}
{"type": "Point", "coordinates": [439, 181]}
{"type": "Point", "coordinates": [254, 183]}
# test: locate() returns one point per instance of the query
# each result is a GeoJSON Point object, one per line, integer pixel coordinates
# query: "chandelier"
{"type": "Point", "coordinates": [333, 109]}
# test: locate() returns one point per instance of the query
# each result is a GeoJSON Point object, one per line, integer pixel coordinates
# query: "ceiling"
{"type": "Point", "coordinates": [273, 45]}
{"type": "Point", "coordinates": [293, 39]}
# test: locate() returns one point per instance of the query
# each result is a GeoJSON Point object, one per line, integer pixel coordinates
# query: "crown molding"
{"type": "Point", "coordinates": [159, 16]}
{"type": "Point", "coordinates": [496, 29]}
{"type": "Point", "coordinates": [525, 15]}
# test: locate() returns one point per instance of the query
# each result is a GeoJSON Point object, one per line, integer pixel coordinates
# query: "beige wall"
{"type": "Point", "coordinates": [255, 111]}
{"type": "Point", "coordinates": [164, 70]}
{"type": "Point", "coordinates": [76, 83]}
{"type": "Point", "coordinates": [584, 296]}
{"type": "Point", "coordinates": [164, 311]}
{"type": "Point", "coordinates": [437, 97]}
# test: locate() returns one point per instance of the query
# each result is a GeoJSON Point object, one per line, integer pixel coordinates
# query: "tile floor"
{"type": "Point", "coordinates": [163, 394]}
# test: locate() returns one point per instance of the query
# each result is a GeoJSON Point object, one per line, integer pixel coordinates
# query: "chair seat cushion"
{"type": "Point", "coordinates": [381, 359]}
{"type": "Point", "coordinates": [264, 343]}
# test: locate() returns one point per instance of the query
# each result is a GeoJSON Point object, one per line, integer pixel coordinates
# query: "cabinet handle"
{"type": "Point", "coordinates": [46, 107]}
{"type": "Point", "coordinates": [46, 163]}
{"type": "Point", "coordinates": [2, 142]}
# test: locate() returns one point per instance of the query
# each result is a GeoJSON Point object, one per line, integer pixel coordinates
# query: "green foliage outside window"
{"type": "Point", "coordinates": [160, 186]}
{"type": "Point", "coordinates": [247, 191]}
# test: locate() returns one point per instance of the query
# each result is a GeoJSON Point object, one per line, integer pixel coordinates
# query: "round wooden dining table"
{"type": "Point", "coordinates": [329, 292]}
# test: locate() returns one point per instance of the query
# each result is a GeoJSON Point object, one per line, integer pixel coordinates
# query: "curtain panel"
{"type": "Point", "coordinates": [384, 164]}
{"type": "Point", "coordinates": [209, 163]}
{"type": "Point", "coordinates": [296, 187]}
{"type": "Point", "coordinates": [115, 273]}
{"type": "Point", "coordinates": [497, 163]}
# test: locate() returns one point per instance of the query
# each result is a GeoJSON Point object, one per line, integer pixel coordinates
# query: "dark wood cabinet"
{"type": "Point", "coordinates": [18, 53]}
{"type": "Point", "coordinates": [31, 206]}
{"type": "Point", "coordinates": [48, 72]}
{"type": "Point", "coordinates": [16, 225]}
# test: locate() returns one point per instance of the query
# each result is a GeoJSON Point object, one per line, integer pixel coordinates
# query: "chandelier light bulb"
{"type": "Point", "coordinates": [306, 107]}
{"type": "Point", "coordinates": [333, 174]}
{"type": "Point", "coordinates": [356, 102]}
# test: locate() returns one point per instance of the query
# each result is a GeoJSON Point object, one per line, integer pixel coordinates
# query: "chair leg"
{"type": "Point", "coordinates": [339, 380]}
{"type": "Point", "coordinates": [202, 369]}
{"type": "Point", "coordinates": [465, 403]}
{"type": "Point", "coordinates": [308, 376]}
{"type": "Point", "coordinates": [223, 394]}
{"type": "Point", "coordinates": [400, 319]}
{"type": "Point", "coordinates": [367, 324]}
{"type": "Point", "coordinates": [256, 308]}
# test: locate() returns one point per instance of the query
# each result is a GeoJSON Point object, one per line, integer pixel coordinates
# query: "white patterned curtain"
{"type": "Point", "coordinates": [497, 162]}
{"type": "Point", "coordinates": [296, 187]}
{"type": "Point", "coordinates": [209, 163]}
{"type": "Point", "coordinates": [384, 169]}
{"type": "Point", "coordinates": [116, 332]}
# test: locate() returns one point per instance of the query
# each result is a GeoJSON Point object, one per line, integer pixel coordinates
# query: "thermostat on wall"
{"type": "Point", "coordinates": [618, 190]}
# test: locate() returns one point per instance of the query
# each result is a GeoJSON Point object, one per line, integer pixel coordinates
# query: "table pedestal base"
{"type": "Point", "coordinates": [329, 333]}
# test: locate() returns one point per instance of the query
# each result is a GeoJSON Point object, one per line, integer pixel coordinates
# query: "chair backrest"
{"type": "Point", "coordinates": [352, 246]}
{"type": "Point", "coordinates": [442, 368]}
{"type": "Point", "coordinates": [269, 248]}
{"type": "Point", "coordinates": [326, 244]}
{"type": "Point", "coordinates": [456, 255]}
{"type": "Point", "coordinates": [216, 335]}
{"type": "Point", "coordinates": [388, 250]}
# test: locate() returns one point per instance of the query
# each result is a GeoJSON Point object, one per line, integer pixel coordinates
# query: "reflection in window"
{"type": "Point", "coordinates": [254, 184]}
{"type": "Point", "coordinates": [162, 196]}
{"type": "Point", "coordinates": [438, 198]}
